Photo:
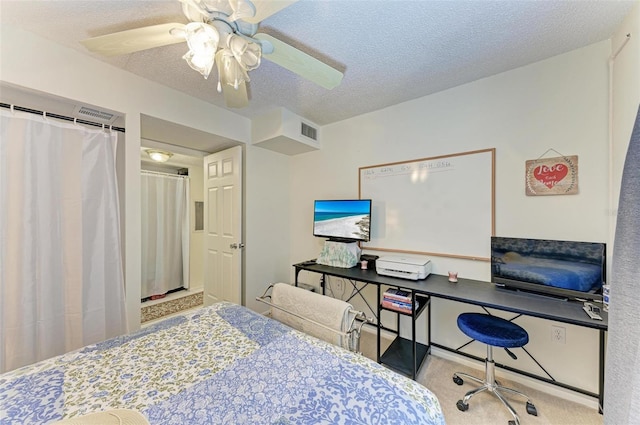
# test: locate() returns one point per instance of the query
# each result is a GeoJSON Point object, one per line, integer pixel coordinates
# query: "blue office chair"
{"type": "Point", "coordinates": [495, 332]}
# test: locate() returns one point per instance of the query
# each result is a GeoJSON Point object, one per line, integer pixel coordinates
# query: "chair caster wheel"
{"type": "Point", "coordinates": [512, 422]}
{"type": "Point", "coordinates": [531, 409]}
{"type": "Point", "coordinates": [462, 406]}
{"type": "Point", "coordinates": [458, 380]}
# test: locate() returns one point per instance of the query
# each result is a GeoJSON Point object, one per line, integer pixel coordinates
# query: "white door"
{"type": "Point", "coordinates": [223, 226]}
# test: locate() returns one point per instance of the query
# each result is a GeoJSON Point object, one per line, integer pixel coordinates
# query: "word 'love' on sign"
{"type": "Point", "coordinates": [552, 176]}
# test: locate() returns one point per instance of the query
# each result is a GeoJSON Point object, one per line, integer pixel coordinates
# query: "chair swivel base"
{"type": "Point", "coordinates": [491, 385]}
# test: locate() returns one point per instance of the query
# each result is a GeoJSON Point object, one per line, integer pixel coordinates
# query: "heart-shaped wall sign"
{"type": "Point", "coordinates": [550, 175]}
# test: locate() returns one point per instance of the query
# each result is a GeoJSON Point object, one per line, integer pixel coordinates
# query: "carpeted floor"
{"type": "Point", "coordinates": [484, 409]}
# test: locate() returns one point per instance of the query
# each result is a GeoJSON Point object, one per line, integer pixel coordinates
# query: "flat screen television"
{"type": "Point", "coordinates": [346, 220]}
{"type": "Point", "coordinates": [561, 269]}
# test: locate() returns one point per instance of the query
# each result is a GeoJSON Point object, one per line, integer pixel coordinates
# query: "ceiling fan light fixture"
{"type": "Point", "coordinates": [247, 53]}
{"type": "Point", "coordinates": [159, 156]}
{"type": "Point", "coordinates": [230, 72]}
{"type": "Point", "coordinates": [203, 42]}
{"type": "Point", "coordinates": [202, 39]}
{"type": "Point", "coordinates": [201, 63]}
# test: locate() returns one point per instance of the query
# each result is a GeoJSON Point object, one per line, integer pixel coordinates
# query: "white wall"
{"type": "Point", "coordinates": [30, 61]}
{"type": "Point", "coordinates": [267, 230]}
{"type": "Point", "coordinates": [558, 103]}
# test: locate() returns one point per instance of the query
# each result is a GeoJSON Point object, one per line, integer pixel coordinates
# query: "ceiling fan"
{"type": "Point", "coordinates": [222, 32]}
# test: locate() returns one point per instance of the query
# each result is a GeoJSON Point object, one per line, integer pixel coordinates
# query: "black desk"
{"type": "Point", "coordinates": [484, 294]}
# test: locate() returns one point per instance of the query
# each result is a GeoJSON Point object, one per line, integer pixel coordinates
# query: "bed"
{"type": "Point", "coordinates": [222, 364]}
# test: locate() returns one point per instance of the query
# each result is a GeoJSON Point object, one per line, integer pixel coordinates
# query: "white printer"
{"type": "Point", "coordinates": [413, 268]}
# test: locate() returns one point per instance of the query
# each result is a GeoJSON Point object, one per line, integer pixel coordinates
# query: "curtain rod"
{"type": "Point", "coordinates": [160, 173]}
{"type": "Point", "coordinates": [60, 117]}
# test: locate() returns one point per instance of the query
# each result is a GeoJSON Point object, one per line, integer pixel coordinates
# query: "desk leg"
{"type": "Point", "coordinates": [378, 325]}
{"type": "Point", "coordinates": [296, 278]}
{"type": "Point", "coordinates": [413, 335]}
{"type": "Point", "coordinates": [601, 374]}
{"type": "Point", "coordinates": [429, 306]}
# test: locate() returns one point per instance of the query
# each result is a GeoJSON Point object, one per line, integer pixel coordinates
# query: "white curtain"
{"type": "Point", "coordinates": [165, 233]}
{"type": "Point", "coordinates": [61, 278]}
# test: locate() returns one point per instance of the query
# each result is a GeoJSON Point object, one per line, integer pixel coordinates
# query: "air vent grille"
{"type": "Point", "coordinates": [309, 131]}
{"type": "Point", "coordinates": [94, 114]}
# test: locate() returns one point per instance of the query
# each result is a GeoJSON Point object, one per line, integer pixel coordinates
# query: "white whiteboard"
{"type": "Point", "coordinates": [438, 206]}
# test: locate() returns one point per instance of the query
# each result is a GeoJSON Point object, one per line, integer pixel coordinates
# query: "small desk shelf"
{"type": "Point", "coordinates": [406, 355]}
{"type": "Point", "coordinates": [400, 353]}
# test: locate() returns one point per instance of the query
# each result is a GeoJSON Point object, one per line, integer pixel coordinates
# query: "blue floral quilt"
{"type": "Point", "coordinates": [223, 364]}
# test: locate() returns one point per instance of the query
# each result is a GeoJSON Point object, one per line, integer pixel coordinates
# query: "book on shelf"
{"type": "Point", "coordinates": [389, 306]}
{"type": "Point", "coordinates": [403, 303]}
{"type": "Point", "coordinates": [398, 294]}
{"type": "Point", "coordinates": [398, 306]}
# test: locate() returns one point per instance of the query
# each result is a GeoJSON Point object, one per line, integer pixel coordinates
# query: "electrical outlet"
{"type": "Point", "coordinates": [558, 334]}
{"type": "Point", "coordinates": [339, 286]}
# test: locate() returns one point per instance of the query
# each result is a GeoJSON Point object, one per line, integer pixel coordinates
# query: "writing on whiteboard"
{"type": "Point", "coordinates": [417, 170]}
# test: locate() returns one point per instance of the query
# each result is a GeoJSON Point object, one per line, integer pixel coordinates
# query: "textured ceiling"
{"type": "Point", "coordinates": [390, 51]}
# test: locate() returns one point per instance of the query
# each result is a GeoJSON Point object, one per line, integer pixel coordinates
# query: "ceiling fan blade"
{"type": "Point", "coordinates": [121, 43]}
{"type": "Point", "coordinates": [235, 98]}
{"type": "Point", "coordinates": [266, 8]}
{"type": "Point", "coordinates": [301, 63]}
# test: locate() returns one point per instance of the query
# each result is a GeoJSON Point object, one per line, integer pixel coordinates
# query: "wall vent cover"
{"type": "Point", "coordinates": [91, 114]}
{"type": "Point", "coordinates": [309, 131]}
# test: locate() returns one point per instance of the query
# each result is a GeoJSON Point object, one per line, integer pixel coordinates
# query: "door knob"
{"type": "Point", "coordinates": [236, 246]}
